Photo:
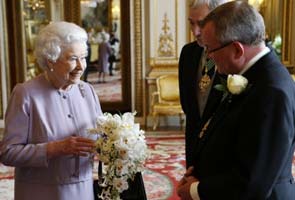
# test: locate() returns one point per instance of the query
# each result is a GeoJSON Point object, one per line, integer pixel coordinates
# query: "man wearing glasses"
{"type": "Point", "coordinates": [247, 146]}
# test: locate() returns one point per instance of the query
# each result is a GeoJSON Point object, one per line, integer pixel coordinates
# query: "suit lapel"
{"type": "Point", "coordinates": [215, 98]}
{"type": "Point", "coordinates": [209, 128]}
{"type": "Point", "coordinates": [224, 106]}
{"type": "Point", "coordinates": [197, 53]}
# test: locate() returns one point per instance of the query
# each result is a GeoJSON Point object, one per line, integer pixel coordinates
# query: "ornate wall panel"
{"type": "Point", "coordinates": [163, 26]}
{"type": "Point", "coordinates": [168, 34]}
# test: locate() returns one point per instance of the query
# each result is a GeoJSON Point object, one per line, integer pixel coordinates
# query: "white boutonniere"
{"type": "Point", "coordinates": [234, 85]}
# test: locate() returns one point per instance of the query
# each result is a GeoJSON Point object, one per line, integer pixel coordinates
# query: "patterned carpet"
{"type": "Point", "coordinates": [164, 168]}
{"type": "Point", "coordinates": [111, 90]}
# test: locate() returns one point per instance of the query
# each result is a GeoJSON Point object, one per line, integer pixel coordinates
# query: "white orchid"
{"type": "Point", "coordinates": [122, 146]}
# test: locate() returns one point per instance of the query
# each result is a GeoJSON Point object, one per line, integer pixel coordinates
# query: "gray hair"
{"type": "Point", "coordinates": [212, 4]}
{"type": "Point", "coordinates": [237, 21]}
{"type": "Point", "coordinates": [54, 38]}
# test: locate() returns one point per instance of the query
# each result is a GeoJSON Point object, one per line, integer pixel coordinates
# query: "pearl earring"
{"type": "Point", "coordinates": [51, 69]}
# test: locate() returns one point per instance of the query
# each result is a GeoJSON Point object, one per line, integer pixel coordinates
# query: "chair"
{"type": "Point", "coordinates": [165, 100]}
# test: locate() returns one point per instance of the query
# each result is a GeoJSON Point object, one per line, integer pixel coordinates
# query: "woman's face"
{"type": "Point", "coordinates": [70, 66]}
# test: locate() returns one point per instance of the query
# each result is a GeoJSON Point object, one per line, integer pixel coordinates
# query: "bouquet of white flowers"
{"type": "Point", "coordinates": [122, 147]}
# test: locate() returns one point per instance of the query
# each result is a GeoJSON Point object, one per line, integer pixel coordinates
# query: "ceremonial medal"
{"type": "Point", "coordinates": [204, 82]}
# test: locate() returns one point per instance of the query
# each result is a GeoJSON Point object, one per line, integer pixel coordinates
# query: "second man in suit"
{"type": "Point", "coordinates": [198, 101]}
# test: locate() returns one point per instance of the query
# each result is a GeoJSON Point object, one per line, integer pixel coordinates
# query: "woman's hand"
{"type": "Point", "coordinates": [73, 145]}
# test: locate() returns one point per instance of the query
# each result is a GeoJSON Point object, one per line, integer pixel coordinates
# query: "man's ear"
{"type": "Point", "coordinates": [239, 49]}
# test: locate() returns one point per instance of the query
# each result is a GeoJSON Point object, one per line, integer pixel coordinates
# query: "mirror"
{"type": "Point", "coordinates": [109, 43]}
{"type": "Point", "coordinates": [35, 18]}
{"type": "Point", "coordinates": [101, 20]}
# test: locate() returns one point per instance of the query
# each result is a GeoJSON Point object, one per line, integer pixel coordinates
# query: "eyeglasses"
{"type": "Point", "coordinates": [217, 49]}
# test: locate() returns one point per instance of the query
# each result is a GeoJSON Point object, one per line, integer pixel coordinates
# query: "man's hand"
{"type": "Point", "coordinates": [183, 188]}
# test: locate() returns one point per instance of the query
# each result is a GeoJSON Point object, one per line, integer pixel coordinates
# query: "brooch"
{"type": "Point", "coordinates": [82, 89]}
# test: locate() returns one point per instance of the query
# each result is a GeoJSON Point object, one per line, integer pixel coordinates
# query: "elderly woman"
{"type": "Point", "coordinates": [104, 51]}
{"type": "Point", "coordinates": [47, 119]}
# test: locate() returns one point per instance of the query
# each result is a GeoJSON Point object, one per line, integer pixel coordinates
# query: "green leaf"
{"type": "Point", "coordinates": [220, 87]}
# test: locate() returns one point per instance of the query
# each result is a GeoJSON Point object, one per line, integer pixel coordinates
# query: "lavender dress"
{"type": "Point", "coordinates": [38, 113]}
{"type": "Point", "coordinates": [104, 51]}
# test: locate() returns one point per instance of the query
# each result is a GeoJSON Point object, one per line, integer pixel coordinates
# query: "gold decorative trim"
{"type": "Point", "coordinates": [165, 61]}
{"type": "Point", "coordinates": [160, 57]}
{"type": "Point", "coordinates": [162, 70]}
{"type": "Point", "coordinates": [286, 34]}
{"type": "Point", "coordinates": [166, 46]}
{"type": "Point", "coordinates": [138, 58]}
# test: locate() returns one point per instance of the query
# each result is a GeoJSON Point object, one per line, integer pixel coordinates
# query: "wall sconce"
{"type": "Point", "coordinates": [115, 12]}
{"type": "Point", "coordinates": [256, 3]}
{"type": "Point", "coordinates": [35, 4]}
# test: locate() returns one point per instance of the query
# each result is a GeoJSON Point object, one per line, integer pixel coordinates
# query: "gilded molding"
{"type": "Point", "coordinates": [165, 61]}
{"type": "Point", "coordinates": [138, 58]}
{"type": "Point", "coordinates": [161, 70]}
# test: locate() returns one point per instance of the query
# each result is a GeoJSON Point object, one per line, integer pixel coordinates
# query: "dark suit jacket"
{"type": "Point", "coordinates": [247, 150]}
{"type": "Point", "coordinates": [188, 67]}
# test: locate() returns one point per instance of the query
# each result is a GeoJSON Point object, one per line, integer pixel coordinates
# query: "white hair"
{"type": "Point", "coordinates": [54, 38]}
{"type": "Point", "coordinates": [212, 4]}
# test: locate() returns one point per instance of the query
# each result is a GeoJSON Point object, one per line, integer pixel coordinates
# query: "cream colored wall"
{"type": "Point", "coordinates": [159, 62]}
